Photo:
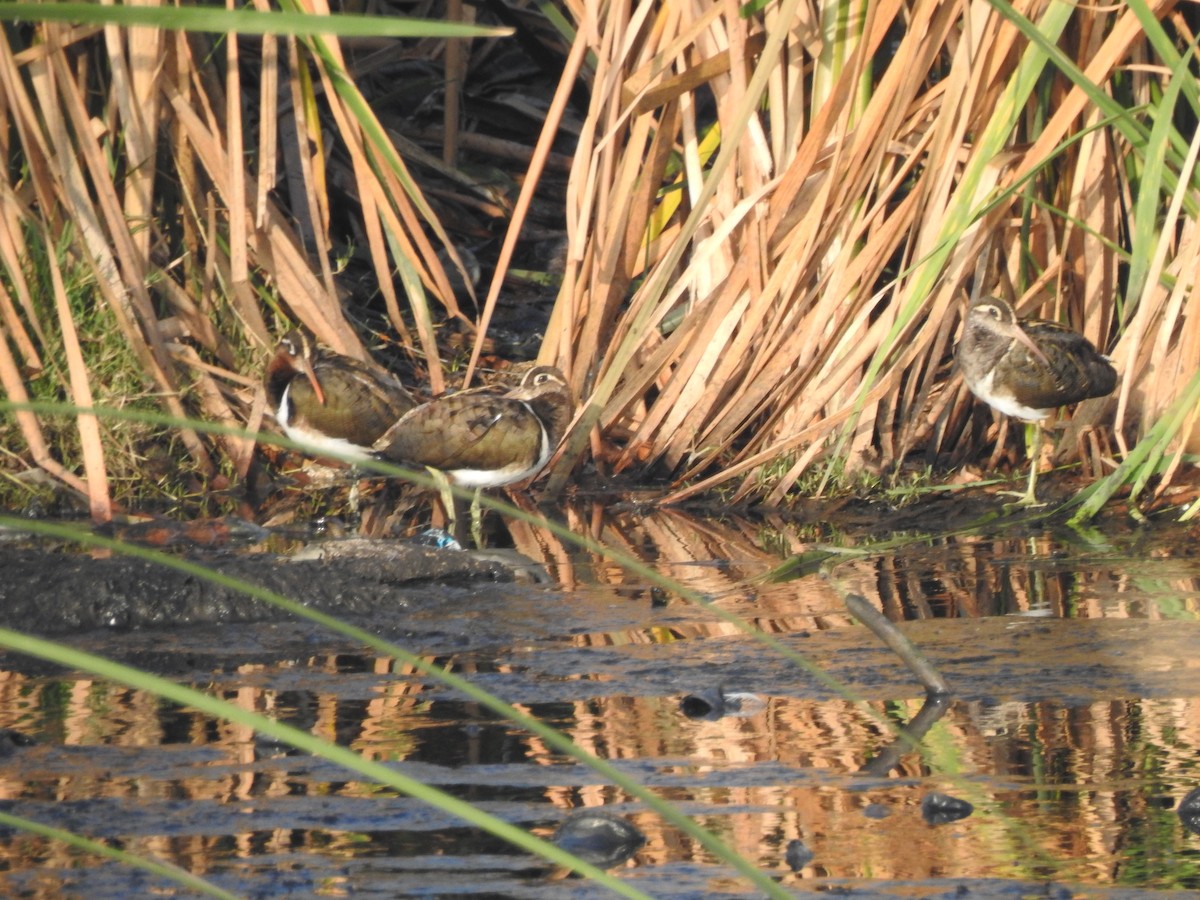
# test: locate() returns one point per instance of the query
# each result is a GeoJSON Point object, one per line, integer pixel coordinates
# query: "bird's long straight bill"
{"type": "Point", "coordinates": [316, 383]}
{"type": "Point", "coordinates": [1020, 335]}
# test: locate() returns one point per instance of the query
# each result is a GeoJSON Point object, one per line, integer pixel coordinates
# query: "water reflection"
{"type": "Point", "coordinates": [1073, 732]}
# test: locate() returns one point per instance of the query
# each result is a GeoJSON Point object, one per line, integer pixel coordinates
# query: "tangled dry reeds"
{"type": "Point", "coordinates": [774, 215]}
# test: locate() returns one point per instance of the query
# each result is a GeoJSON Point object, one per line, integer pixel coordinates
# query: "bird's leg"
{"type": "Point", "coordinates": [1033, 449]}
{"type": "Point", "coordinates": [447, 498]}
{"type": "Point", "coordinates": [477, 520]}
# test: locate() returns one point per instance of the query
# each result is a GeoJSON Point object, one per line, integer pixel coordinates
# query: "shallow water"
{"type": "Point", "coordinates": [1074, 729]}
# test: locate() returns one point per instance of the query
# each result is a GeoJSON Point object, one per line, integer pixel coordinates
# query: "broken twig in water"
{"type": "Point", "coordinates": [898, 643]}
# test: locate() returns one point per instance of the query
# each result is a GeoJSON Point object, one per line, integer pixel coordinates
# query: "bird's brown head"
{"type": "Point", "coordinates": [542, 379]}
{"type": "Point", "coordinates": [295, 356]}
{"type": "Point", "coordinates": [996, 316]}
{"type": "Point", "coordinates": [992, 313]}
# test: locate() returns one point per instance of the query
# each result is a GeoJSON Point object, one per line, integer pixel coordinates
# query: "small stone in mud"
{"type": "Point", "coordinates": [706, 704]}
{"type": "Point", "coordinates": [1189, 811]}
{"type": "Point", "coordinates": [522, 569]}
{"type": "Point", "coordinates": [601, 838]}
{"type": "Point", "coordinates": [12, 740]}
{"type": "Point", "coordinates": [715, 703]}
{"type": "Point", "coordinates": [941, 809]}
{"type": "Point", "coordinates": [798, 856]}
{"type": "Point", "coordinates": [876, 811]}
{"type": "Point", "coordinates": [266, 746]}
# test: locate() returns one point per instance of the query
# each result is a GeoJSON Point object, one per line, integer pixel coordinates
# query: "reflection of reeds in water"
{"type": "Point", "coordinates": [1073, 779]}
{"type": "Point", "coordinates": [940, 577]}
{"type": "Point", "coordinates": [1034, 576]}
{"type": "Point", "coordinates": [962, 578]}
{"type": "Point", "coordinates": [714, 558]}
{"type": "Point", "coordinates": [1073, 764]}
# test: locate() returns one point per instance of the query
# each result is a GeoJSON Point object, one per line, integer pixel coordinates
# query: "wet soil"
{"type": "Point", "coordinates": [49, 592]}
{"type": "Point", "coordinates": [990, 660]}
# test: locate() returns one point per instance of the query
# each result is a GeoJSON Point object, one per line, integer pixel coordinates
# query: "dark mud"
{"type": "Point", "coordinates": [47, 592]}
{"type": "Point", "coordinates": [526, 633]}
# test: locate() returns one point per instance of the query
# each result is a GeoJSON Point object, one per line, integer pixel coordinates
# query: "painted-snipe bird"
{"type": "Point", "coordinates": [483, 438]}
{"type": "Point", "coordinates": [1027, 368]}
{"type": "Point", "coordinates": [337, 404]}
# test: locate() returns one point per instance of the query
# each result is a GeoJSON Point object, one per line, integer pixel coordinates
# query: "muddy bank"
{"type": "Point", "coordinates": [48, 592]}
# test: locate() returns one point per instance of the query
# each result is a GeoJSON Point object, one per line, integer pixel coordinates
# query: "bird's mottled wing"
{"type": "Point", "coordinates": [362, 403]}
{"type": "Point", "coordinates": [1078, 371]}
{"type": "Point", "coordinates": [461, 432]}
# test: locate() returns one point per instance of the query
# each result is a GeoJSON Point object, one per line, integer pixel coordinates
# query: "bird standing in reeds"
{"type": "Point", "coordinates": [335, 404]}
{"type": "Point", "coordinates": [483, 438]}
{"type": "Point", "coordinates": [1027, 368]}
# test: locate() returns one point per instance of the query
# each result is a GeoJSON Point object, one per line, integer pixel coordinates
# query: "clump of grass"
{"type": "Point", "coordinates": [145, 465]}
{"type": "Point", "coordinates": [149, 158]}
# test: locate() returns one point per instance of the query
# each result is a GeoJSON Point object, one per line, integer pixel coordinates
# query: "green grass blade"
{"type": "Point", "coordinates": [1147, 206]}
{"type": "Point", "coordinates": [242, 21]}
{"type": "Point", "coordinates": [1144, 458]}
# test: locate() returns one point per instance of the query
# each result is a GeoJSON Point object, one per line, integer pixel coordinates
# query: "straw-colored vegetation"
{"type": "Point", "coordinates": [774, 214]}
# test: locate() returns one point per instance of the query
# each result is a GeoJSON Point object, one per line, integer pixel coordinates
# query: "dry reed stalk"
{"type": "Point", "coordinates": [92, 173]}
{"type": "Point", "coordinates": [235, 192]}
{"type": "Point", "coordinates": [59, 137]}
{"type": "Point", "coordinates": [824, 328]}
{"type": "Point", "coordinates": [275, 248]}
{"type": "Point", "coordinates": [12, 250]}
{"type": "Point", "coordinates": [12, 380]}
{"type": "Point", "coordinates": [537, 164]}
{"type": "Point", "coordinates": [455, 68]}
{"type": "Point", "coordinates": [381, 172]}
{"type": "Point", "coordinates": [81, 395]}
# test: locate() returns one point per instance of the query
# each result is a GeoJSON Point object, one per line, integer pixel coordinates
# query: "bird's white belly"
{"type": "Point", "coordinates": [486, 478]}
{"type": "Point", "coordinates": [325, 445]}
{"type": "Point", "coordinates": [1003, 401]}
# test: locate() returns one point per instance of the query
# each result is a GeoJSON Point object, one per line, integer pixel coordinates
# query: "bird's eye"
{"type": "Point", "coordinates": [994, 312]}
